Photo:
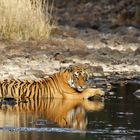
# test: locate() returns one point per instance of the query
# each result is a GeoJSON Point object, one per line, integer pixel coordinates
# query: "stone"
{"type": "Point", "coordinates": [137, 51]}
{"type": "Point", "coordinates": [137, 93]}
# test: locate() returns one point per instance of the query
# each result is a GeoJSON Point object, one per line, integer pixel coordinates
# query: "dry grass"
{"type": "Point", "coordinates": [21, 20]}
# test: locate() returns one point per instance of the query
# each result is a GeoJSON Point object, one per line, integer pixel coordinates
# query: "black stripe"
{"type": "Point", "coordinates": [38, 93]}
{"type": "Point", "coordinates": [1, 89]}
{"type": "Point", "coordinates": [21, 84]}
{"type": "Point", "coordinates": [53, 86]}
{"type": "Point", "coordinates": [12, 91]}
{"type": "Point", "coordinates": [46, 87]}
{"type": "Point", "coordinates": [54, 82]}
{"type": "Point", "coordinates": [30, 89]}
{"type": "Point", "coordinates": [16, 87]}
{"type": "Point", "coordinates": [9, 89]}
{"type": "Point", "coordinates": [6, 86]}
{"type": "Point", "coordinates": [34, 91]}
{"type": "Point", "coordinates": [29, 94]}
{"type": "Point", "coordinates": [49, 90]}
{"type": "Point", "coordinates": [35, 86]}
{"type": "Point", "coordinates": [39, 89]}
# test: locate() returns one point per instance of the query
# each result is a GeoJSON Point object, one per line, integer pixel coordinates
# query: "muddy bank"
{"type": "Point", "coordinates": [32, 60]}
{"type": "Point", "coordinates": [102, 33]}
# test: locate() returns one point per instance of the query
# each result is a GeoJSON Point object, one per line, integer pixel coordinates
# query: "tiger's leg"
{"type": "Point", "coordinates": [90, 92]}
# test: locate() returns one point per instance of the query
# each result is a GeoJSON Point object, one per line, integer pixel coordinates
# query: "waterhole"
{"type": "Point", "coordinates": [115, 117]}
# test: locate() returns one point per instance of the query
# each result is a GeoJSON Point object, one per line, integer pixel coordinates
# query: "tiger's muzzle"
{"type": "Point", "coordinates": [81, 88]}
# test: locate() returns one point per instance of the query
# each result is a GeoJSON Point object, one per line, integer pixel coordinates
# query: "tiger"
{"type": "Point", "coordinates": [70, 83]}
{"type": "Point", "coordinates": [66, 113]}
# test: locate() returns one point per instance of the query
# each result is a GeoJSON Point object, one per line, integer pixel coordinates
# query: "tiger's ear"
{"type": "Point", "coordinates": [70, 68]}
{"type": "Point", "coordinates": [87, 66]}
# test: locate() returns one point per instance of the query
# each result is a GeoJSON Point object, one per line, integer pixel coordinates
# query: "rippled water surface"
{"type": "Point", "coordinates": [117, 117]}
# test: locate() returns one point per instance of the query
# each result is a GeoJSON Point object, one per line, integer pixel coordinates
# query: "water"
{"type": "Point", "coordinates": [117, 117]}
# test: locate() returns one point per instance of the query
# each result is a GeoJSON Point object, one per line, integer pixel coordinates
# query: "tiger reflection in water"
{"type": "Point", "coordinates": [65, 113]}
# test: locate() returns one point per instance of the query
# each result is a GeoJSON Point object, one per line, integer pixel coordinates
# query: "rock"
{"type": "Point", "coordinates": [137, 93]}
{"type": "Point", "coordinates": [137, 51]}
{"type": "Point", "coordinates": [82, 24]}
{"type": "Point", "coordinates": [105, 51]}
{"type": "Point", "coordinates": [8, 101]}
{"type": "Point", "coordinates": [79, 52]}
{"type": "Point", "coordinates": [96, 70]}
{"type": "Point", "coordinates": [36, 73]}
{"type": "Point", "coordinates": [59, 56]}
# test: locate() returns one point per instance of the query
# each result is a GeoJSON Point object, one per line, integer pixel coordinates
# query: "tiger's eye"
{"type": "Point", "coordinates": [76, 74]}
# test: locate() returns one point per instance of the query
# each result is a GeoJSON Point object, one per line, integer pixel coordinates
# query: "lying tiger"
{"type": "Point", "coordinates": [70, 83]}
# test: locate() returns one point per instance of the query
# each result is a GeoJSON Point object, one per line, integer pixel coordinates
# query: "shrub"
{"type": "Point", "coordinates": [24, 20]}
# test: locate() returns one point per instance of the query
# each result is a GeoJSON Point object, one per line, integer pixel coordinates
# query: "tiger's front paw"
{"type": "Point", "coordinates": [99, 92]}
{"type": "Point", "coordinates": [88, 93]}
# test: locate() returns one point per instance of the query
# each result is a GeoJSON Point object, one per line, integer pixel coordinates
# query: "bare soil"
{"type": "Point", "coordinates": [97, 33]}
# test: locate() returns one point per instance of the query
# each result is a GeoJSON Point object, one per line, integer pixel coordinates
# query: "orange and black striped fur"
{"type": "Point", "coordinates": [64, 112]}
{"type": "Point", "coordinates": [69, 83]}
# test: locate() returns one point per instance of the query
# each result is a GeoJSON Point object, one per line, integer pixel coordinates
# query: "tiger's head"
{"type": "Point", "coordinates": [78, 77]}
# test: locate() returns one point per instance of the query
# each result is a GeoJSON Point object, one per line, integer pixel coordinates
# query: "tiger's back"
{"type": "Point", "coordinates": [22, 88]}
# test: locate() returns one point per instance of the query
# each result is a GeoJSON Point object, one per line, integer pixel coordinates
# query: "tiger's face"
{"type": "Point", "coordinates": [79, 77]}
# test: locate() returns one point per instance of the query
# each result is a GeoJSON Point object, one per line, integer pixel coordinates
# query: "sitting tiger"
{"type": "Point", "coordinates": [70, 83]}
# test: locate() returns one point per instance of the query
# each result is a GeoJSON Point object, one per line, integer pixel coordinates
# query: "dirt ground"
{"type": "Point", "coordinates": [98, 33]}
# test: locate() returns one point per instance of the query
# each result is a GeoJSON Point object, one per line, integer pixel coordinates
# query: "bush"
{"type": "Point", "coordinates": [23, 20]}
